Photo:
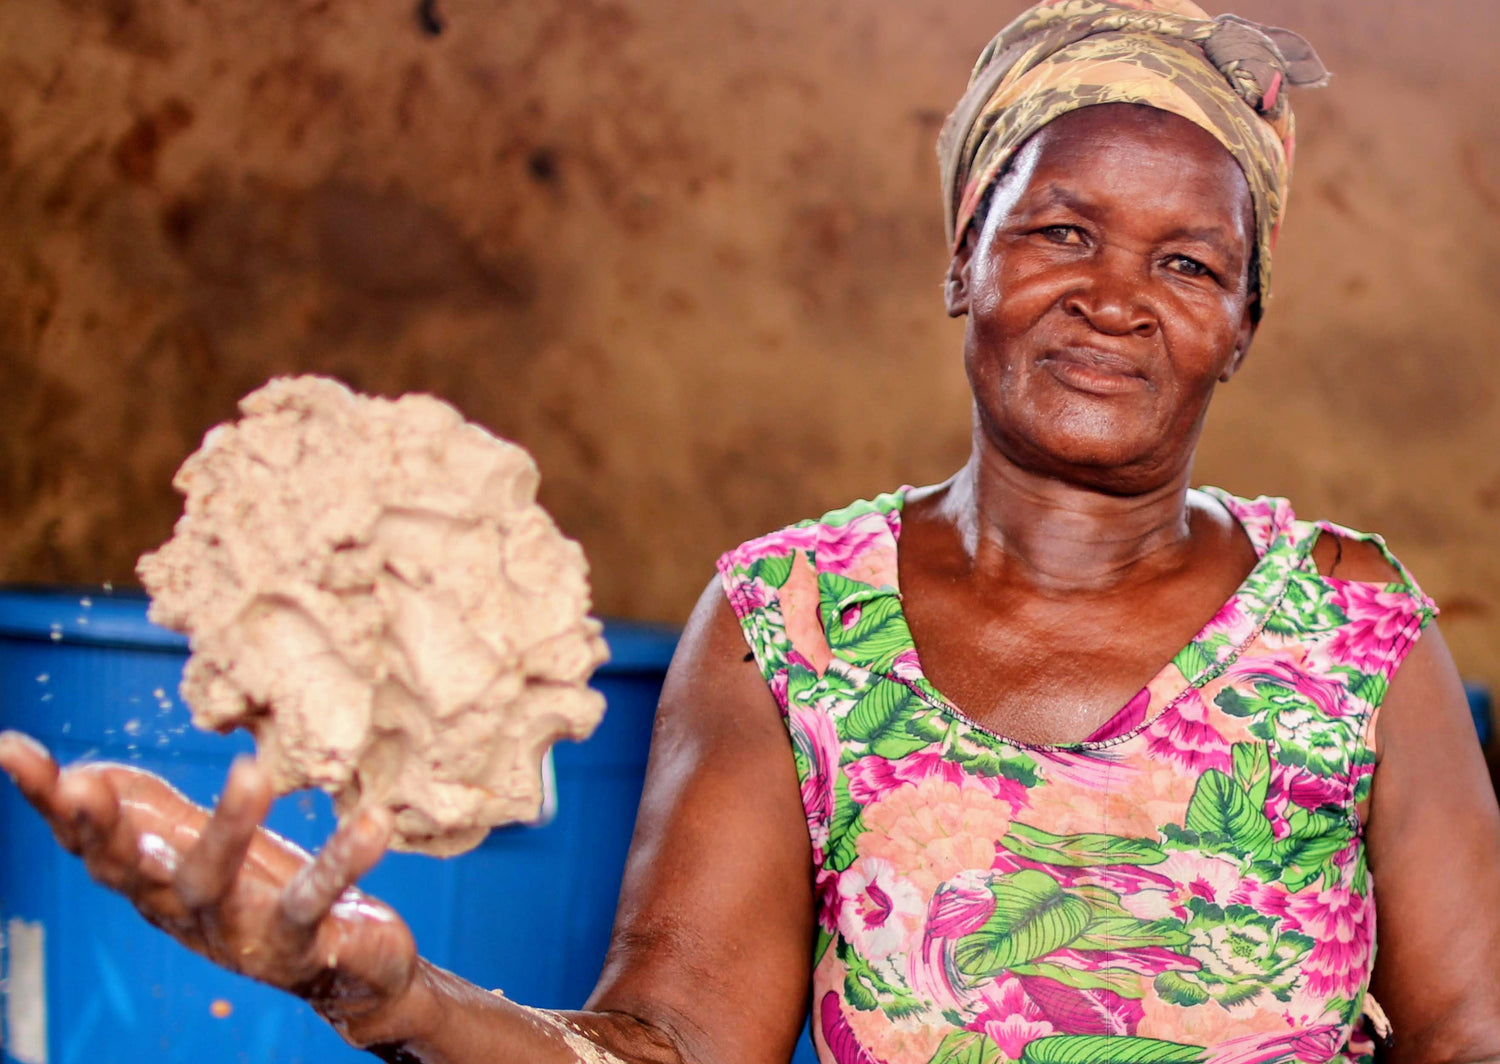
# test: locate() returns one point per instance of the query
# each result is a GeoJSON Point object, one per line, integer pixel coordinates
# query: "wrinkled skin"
{"type": "Point", "coordinates": [1106, 299]}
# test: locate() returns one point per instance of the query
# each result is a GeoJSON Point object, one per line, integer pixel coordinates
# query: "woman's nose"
{"type": "Point", "coordinates": [1111, 296]}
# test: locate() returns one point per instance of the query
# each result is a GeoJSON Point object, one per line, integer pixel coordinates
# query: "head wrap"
{"type": "Point", "coordinates": [1225, 74]}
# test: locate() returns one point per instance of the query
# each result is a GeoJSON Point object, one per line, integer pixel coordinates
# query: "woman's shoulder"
{"type": "Point", "coordinates": [1335, 551]}
{"type": "Point", "coordinates": [834, 539]}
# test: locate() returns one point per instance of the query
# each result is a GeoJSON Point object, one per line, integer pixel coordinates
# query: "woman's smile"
{"type": "Point", "coordinates": [1094, 371]}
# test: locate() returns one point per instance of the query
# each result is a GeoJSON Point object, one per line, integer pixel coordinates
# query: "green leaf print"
{"type": "Point", "coordinates": [1252, 770]}
{"type": "Point", "coordinates": [1172, 988]}
{"type": "Point", "coordinates": [1111, 933]}
{"type": "Point", "coordinates": [893, 747]}
{"type": "Point", "coordinates": [1108, 1049]}
{"type": "Point", "coordinates": [1080, 851]}
{"type": "Point", "coordinates": [1307, 851]}
{"type": "Point", "coordinates": [1305, 608]}
{"type": "Point", "coordinates": [1244, 953]}
{"type": "Point", "coordinates": [1033, 916]}
{"type": "Point", "coordinates": [772, 570]}
{"type": "Point", "coordinates": [1368, 686]}
{"type": "Point", "coordinates": [968, 1047]}
{"type": "Point", "coordinates": [865, 989]}
{"type": "Point", "coordinates": [988, 755]}
{"type": "Point", "coordinates": [1122, 981]}
{"type": "Point", "coordinates": [843, 849]}
{"type": "Point", "coordinates": [889, 720]}
{"type": "Point", "coordinates": [1235, 704]}
{"type": "Point", "coordinates": [1221, 808]}
{"type": "Point", "coordinates": [801, 684]}
{"type": "Point", "coordinates": [1192, 660]}
{"type": "Point", "coordinates": [883, 706]}
{"type": "Point", "coordinates": [879, 634]}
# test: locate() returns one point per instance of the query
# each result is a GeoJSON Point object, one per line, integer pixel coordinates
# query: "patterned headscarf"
{"type": "Point", "coordinates": [1224, 74]}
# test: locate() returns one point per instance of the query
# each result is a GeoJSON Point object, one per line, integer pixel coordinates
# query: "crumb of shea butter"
{"type": "Point", "coordinates": [372, 590]}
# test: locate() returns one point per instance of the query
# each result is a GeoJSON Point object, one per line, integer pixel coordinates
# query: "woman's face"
{"type": "Point", "coordinates": [1107, 294]}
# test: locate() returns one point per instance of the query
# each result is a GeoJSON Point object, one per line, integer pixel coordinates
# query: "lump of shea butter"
{"type": "Point", "coordinates": [372, 590]}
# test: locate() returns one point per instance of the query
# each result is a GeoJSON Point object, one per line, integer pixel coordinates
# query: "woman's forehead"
{"type": "Point", "coordinates": [1139, 153]}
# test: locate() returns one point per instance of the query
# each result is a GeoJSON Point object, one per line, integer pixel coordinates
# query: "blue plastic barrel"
{"type": "Point", "coordinates": [529, 911]}
{"type": "Point", "coordinates": [1481, 709]}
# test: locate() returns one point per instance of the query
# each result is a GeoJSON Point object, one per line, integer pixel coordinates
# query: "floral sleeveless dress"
{"type": "Point", "coordinates": [1186, 886]}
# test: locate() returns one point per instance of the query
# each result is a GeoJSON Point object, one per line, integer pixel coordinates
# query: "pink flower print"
{"type": "Point", "coordinates": [1260, 517]}
{"type": "Point", "coordinates": [1149, 961]}
{"type": "Point", "coordinates": [880, 912]}
{"type": "Point", "coordinates": [905, 667]}
{"type": "Point", "coordinates": [814, 736]}
{"type": "Point", "coordinates": [934, 829]}
{"type": "Point", "coordinates": [749, 596]}
{"type": "Point", "coordinates": [1090, 770]}
{"type": "Point", "coordinates": [1378, 620]}
{"type": "Point", "coordinates": [959, 909]}
{"type": "Point", "coordinates": [1318, 1043]}
{"type": "Point", "coordinates": [1232, 622]}
{"type": "Point", "coordinates": [1184, 736]}
{"type": "Point", "coordinates": [775, 545]}
{"type": "Point", "coordinates": [778, 685]}
{"type": "Point", "coordinates": [871, 777]}
{"type": "Point", "coordinates": [826, 896]}
{"type": "Point", "coordinates": [1292, 785]}
{"type": "Point", "coordinates": [1289, 668]}
{"type": "Point", "coordinates": [1073, 1010]}
{"type": "Point", "coordinates": [900, 1039]}
{"type": "Point", "coordinates": [864, 550]}
{"type": "Point", "coordinates": [838, 1036]}
{"type": "Point", "coordinates": [1268, 899]}
{"type": "Point", "coordinates": [1121, 879]}
{"type": "Point", "coordinates": [1211, 877]}
{"type": "Point", "coordinates": [1010, 1018]}
{"type": "Point", "coordinates": [1342, 926]}
{"type": "Point", "coordinates": [1131, 717]}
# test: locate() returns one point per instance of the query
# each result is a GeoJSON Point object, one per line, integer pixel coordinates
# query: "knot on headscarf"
{"type": "Point", "coordinates": [1259, 60]}
{"type": "Point", "coordinates": [1225, 74]}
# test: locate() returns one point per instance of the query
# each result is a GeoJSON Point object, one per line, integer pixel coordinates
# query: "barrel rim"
{"type": "Point", "coordinates": [94, 615]}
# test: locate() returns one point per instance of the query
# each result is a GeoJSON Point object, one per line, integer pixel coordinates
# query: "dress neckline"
{"type": "Point", "coordinates": [1267, 523]}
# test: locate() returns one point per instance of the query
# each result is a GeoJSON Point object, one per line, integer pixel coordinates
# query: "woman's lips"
{"type": "Point", "coordinates": [1093, 371]}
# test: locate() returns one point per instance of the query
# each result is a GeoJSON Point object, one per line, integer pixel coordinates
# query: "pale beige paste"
{"type": "Point", "coordinates": [372, 590]}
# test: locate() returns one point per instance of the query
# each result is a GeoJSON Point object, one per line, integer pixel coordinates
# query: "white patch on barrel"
{"type": "Point", "coordinates": [26, 992]}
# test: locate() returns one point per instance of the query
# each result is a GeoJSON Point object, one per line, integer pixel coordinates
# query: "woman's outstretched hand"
{"type": "Point", "coordinates": [230, 890]}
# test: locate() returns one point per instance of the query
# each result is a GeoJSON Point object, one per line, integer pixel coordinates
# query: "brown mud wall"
{"type": "Point", "coordinates": [688, 253]}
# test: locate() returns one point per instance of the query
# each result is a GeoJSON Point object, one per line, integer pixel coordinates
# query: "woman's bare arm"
{"type": "Point", "coordinates": [1434, 850]}
{"type": "Point", "coordinates": [711, 953]}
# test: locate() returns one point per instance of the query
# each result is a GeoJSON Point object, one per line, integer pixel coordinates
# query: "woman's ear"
{"type": "Point", "coordinates": [1242, 344]}
{"type": "Point", "coordinates": [956, 284]}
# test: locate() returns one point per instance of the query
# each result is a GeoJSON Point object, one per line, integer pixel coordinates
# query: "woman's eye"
{"type": "Point", "coordinates": [1189, 267]}
{"type": "Point", "coordinates": [1062, 234]}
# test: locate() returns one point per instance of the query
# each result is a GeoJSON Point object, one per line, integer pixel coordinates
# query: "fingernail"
{"type": "Point", "coordinates": [370, 826]}
{"type": "Point", "coordinates": [10, 738]}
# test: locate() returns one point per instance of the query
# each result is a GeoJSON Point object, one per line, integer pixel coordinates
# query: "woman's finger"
{"type": "Point", "coordinates": [90, 804]}
{"type": "Point", "coordinates": [27, 762]}
{"type": "Point", "coordinates": [350, 852]}
{"type": "Point", "coordinates": [208, 870]}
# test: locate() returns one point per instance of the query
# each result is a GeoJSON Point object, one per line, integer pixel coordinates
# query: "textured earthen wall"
{"type": "Point", "coordinates": [689, 252]}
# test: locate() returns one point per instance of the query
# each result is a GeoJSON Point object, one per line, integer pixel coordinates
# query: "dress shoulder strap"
{"type": "Point", "coordinates": [779, 584]}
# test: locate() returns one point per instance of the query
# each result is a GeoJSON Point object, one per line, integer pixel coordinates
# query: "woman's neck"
{"type": "Point", "coordinates": [1019, 525]}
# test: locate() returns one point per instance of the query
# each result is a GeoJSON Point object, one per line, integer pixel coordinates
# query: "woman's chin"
{"type": "Point", "coordinates": [1094, 456]}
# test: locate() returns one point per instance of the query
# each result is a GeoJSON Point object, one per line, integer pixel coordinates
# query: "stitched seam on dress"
{"type": "Point", "coordinates": [1209, 674]}
{"type": "Point", "coordinates": [1280, 533]}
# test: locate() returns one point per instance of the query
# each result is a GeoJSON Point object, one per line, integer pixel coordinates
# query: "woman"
{"type": "Point", "coordinates": [1130, 800]}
